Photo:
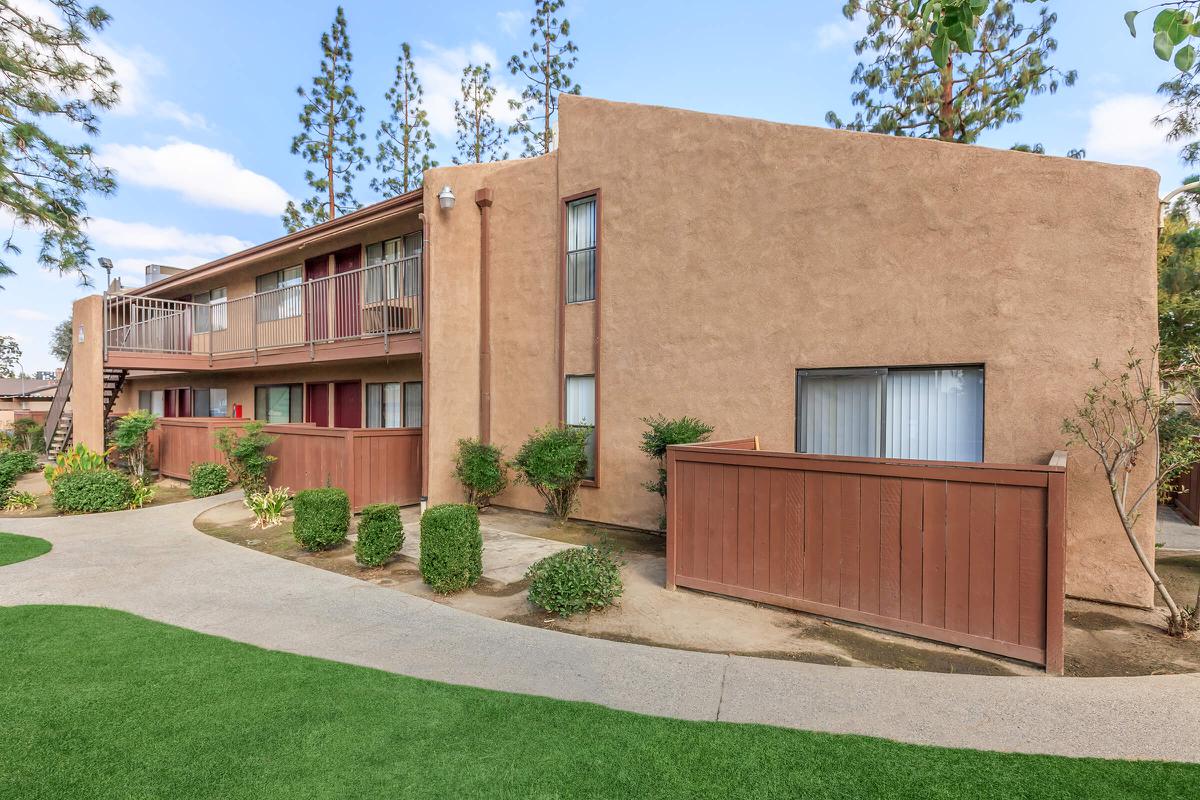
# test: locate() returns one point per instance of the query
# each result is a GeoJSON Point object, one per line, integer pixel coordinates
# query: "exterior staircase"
{"type": "Point", "coordinates": [59, 425]}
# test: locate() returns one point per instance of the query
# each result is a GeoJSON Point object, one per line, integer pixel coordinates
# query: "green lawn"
{"type": "Point", "coordinates": [14, 548]}
{"type": "Point", "coordinates": [98, 703]}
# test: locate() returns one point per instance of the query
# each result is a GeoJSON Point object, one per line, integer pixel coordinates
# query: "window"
{"type": "Point", "coordinates": [152, 400]}
{"type": "Point", "coordinates": [932, 414]}
{"type": "Point", "coordinates": [581, 412]}
{"type": "Point", "coordinates": [400, 253]}
{"type": "Point", "coordinates": [284, 298]}
{"type": "Point", "coordinates": [581, 250]}
{"type": "Point", "coordinates": [383, 405]}
{"type": "Point", "coordinates": [210, 402]}
{"type": "Point", "coordinates": [276, 404]}
{"type": "Point", "coordinates": [412, 404]}
{"type": "Point", "coordinates": [214, 317]}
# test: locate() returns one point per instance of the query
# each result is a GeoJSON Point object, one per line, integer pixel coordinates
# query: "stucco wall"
{"type": "Point", "coordinates": [735, 252]}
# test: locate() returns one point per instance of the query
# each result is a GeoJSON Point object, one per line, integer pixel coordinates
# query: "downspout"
{"type": "Point", "coordinates": [483, 199]}
{"type": "Point", "coordinates": [426, 247]}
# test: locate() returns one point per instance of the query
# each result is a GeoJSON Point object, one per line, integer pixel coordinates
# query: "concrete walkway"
{"type": "Point", "coordinates": [152, 562]}
{"type": "Point", "coordinates": [1173, 532]}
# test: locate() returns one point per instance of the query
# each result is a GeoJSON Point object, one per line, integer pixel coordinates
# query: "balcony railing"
{"type": "Point", "coordinates": [379, 300]}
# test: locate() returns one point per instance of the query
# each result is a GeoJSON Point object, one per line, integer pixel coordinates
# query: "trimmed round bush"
{"type": "Point", "coordinates": [451, 547]}
{"type": "Point", "coordinates": [481, 470]}
{"type": "Point", "coordinates": [208, 478]}
{"type": "Point", "coordinates": [22, 460]}
{"type": "Point", "coordinates": [91, 492]}
{"type": "Point", "coordinates": [322, 518]}
{"type": "Point", "coordinates": [380, 534]}
{"type": "Point", "coordinates": [575, 580]}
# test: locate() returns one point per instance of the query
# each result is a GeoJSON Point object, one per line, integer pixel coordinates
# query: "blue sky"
{"type": "Point", "coordinates": [201, 140]}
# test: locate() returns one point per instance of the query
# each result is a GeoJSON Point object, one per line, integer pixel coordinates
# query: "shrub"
{"type": "Point", "coordinates": [575, 580]}
{"type": "Point", "coordinates": [554, 462]}
{"type": "Point", "coordinates": [268, 507]}
{"type": "Point", "coordinates": [28, 434]}
{"type": "Point", "coordinates": [9, 472]}
{"type": "Point", "coordinates": [20, 501]}
{"type": "Point", "coordinates": [90, 492]}
{"type": "Point", "coordinates": [380, 534]}
{"type": "Point", "coordinates": [131, 437]}
{"type": "Point", "coordinates": [322, 518]}
{"type": "Point", "coordinates": [247, 455]}
{"type": "Point", "coordinates": [481, 471]}
{"type": "Point", "coordinates": [143, 494]}
{"type": "Point", "coordinates": [1174, 428]}
{"type": "Point", "coordinates": [451, 547]}
{"type": "Point", "coordinates": [662, 434]}
{"type": "Point", "coordinates": [76, 460]}
{"type": "Point", "coordinates": [208, 478]}
{"type": "Point", "coordinates": [22, 460]}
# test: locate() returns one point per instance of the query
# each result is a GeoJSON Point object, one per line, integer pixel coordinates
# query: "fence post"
{"type": "Point", "coordinates": [672, 517]}
{"type": "Point", "coordinates": [1056, 515]}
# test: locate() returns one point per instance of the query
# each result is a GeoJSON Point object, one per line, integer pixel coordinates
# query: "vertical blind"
{"type": "Point", "coordinates": [933, 414]}
{"type": "Point", "coordinates": [581, 250]}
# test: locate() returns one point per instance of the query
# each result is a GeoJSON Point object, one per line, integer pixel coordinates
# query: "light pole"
{"type": "Point", "coordinates": [107, 265]}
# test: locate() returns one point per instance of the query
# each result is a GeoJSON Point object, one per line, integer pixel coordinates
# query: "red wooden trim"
{"type": "Point", "coordinates": [483, 199]}
{"type": "Point", "coordinates": [672, 521]}
{"type": "Point", "coordinates": [594, 482]}
{"type": "Point", "coordinates": [1056, 521]}
{"type": "Point", "coordinates": [718, 446]}
{"type": "Point", "coordinates": [1021, 652]}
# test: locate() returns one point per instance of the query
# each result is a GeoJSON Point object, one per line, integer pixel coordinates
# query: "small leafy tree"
{"type": "Point", "coordinates": [131, 436]}
{"type": "Point", "coordinates": [481, 470]}
{"type": "Point", "coordinates": [1119, 421]}
{"type": "Point", "coordinates": [60, 340]}
{"type": "Point", "coordinates": [662, 434]}
{"type": "Point", "coordinates": [10, 357]}
{"type": "Point", "coordinates": [27, 434]}
{"type": "Point", "coordinates": [554, 462]}
{"type": "Point", "coordinates": [247, 455]}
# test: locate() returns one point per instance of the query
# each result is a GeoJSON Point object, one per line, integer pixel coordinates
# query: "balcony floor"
{"type": "Point", "coordinates": [371, 347]}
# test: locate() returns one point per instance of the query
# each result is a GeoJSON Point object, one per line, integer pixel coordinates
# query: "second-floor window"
{"type": "Point", "coordinates": [282, 294]}
{"type": "Point", "coordinates": [402, 272]}
{"type": "Point", "coordinates": [581, 250]}
{"type": "Point", "coordinates": [210, 311]}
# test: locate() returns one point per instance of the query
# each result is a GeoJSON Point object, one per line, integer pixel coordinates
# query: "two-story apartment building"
{"type": "Point", "coordinates": [827, 291]}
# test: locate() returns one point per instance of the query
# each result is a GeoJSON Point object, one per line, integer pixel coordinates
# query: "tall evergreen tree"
{"type": "Point", "coordinates": [405, 143]}
{"type": "Point", "coordinates": [545, 66]}
{"type": "Point", "coordinates": [480, 138]}
{"type": "Point", "coordinates": [329, 136]}
{"type": "Point", "coordinates": [925, 82]}
{"type": "Point", "coordinates": [53, 83]}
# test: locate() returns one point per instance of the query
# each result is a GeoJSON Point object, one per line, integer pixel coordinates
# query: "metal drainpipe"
{"type": "Point", "coordinates": [483, 199]}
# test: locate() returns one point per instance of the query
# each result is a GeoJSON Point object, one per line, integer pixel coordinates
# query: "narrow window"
{"type": "Point", "coordinates": [581, 250]}
{"type": "Point", "coordinates": [581, 413]}
{"type": "Point", "coordinates": [412, 404]}
{"type": "Point", "coordinates": [931, 414]}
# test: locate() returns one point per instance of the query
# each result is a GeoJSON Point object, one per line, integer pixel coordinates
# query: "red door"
{"type": "Point", "coordinates": [170, 408]}
{"type": "Point", "coordinates": [347, 404]}
{"type": "Point", "coordinates": [316, 404]}
{"type": "Point", "coordinates": [317, 301]}
{"type": "Point", "coordinates": [348, 293]}
{"type": "Point", "coordinates": [185, 402]}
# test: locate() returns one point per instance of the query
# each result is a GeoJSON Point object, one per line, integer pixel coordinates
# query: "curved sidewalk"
{"type": "Point", "coordinates": [152, 562]}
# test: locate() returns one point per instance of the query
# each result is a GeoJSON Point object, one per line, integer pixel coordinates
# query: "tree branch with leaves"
{"type": "Point", "coordinates": [480, 137]}
{"type": "Point", "coordinates": [546, 67]}
{"type": "Point", "coordinates": [405, 144]}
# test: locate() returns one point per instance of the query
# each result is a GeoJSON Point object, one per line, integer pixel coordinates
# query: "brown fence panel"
{"type": "Point", "coordinates": [968, 554]}
{"type": "Point", "coordinates": [1187, 500]}
{"type": "Point", "coordinates": [373, 465]}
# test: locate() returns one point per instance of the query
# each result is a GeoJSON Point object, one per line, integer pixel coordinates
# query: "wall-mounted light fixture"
{"type": "Point", "coordinates": [446, 197]}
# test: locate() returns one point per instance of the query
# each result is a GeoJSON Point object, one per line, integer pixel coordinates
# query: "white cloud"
{"type": "Point", "coordinates": [28, 314]}
{"type": "Point", "coordinates": [1122, 130]}
{"type": "Point", "coordinates": [141, 237]}
{"type": "Point", "coordinates": [441, 73]}
{"type": "Point", "coordinates": [842, 33]}
{"type": "Point", "coordinates": [201, 174]}
{"type": "Point", "coordinates": [510, 21]}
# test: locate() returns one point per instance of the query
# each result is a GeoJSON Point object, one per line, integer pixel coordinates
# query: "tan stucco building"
{"type": "Point", "coordinates": [826, 291]}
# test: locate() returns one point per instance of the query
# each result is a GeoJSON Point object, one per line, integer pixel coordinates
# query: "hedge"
{"type": "Point", "coordinates": [451, 547]}
{"type": "Point", "coordinates": [91, 492]}
{"type": "Point", "coordinates": [380, 534]}
{"type": "Point", "coordinates": [208, 478]}
{"type": "Point", "coordinates": [322, 518]}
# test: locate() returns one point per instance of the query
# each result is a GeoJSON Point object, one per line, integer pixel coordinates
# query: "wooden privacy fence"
{"type": "Point", "coordinates": [967, 554]}
{"type": "Point", "coordinates": [373, 465]}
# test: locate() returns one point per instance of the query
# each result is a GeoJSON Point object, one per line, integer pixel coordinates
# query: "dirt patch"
{"type": "Point", "coordinates": [627, 540]}
{"type": "Point", "coordinates": [867, 647]}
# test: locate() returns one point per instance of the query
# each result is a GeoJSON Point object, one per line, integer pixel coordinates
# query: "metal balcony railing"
{"type": "Point", "coordinates": [379, 300]}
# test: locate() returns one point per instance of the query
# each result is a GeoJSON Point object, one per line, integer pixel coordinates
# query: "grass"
{"type": "Point", "coordinates": [14, 548]}
{"type": "Point", "coordinates": [101, 704]}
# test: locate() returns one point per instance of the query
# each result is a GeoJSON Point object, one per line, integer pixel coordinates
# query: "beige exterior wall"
{"type": "Point", "coordinates": [734, 252]}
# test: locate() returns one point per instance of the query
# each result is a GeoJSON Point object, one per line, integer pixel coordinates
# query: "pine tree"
{"type": "Point", "coordinates": [405, 143]}
{"type": "Point", "coordinates": [479, 137]}
{"type": "Point", "coordinates": [53, 82]}
{"type": "Point", "coordinates": [985, 80]}
{"type": "Point", "coordinates": [329, 136]}
{"type": "Point", "coordinates": [545, 65]}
